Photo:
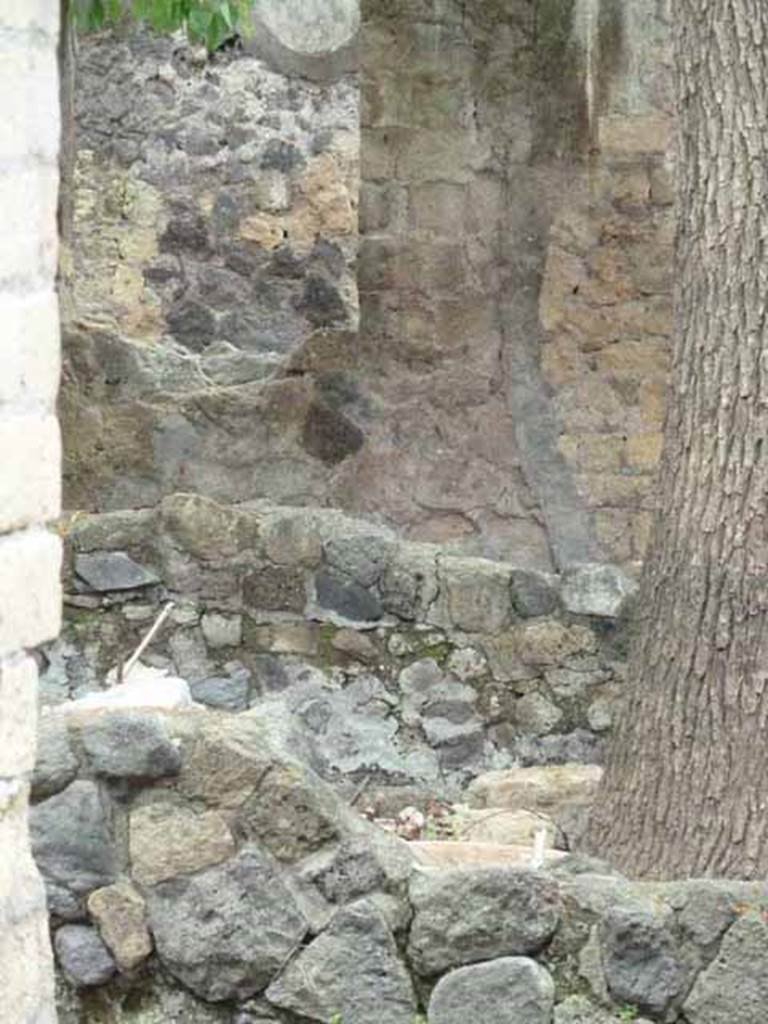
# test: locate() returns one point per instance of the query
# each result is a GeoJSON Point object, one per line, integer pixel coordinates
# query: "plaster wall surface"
{"type": "Point", "coordinates": [30, 598]}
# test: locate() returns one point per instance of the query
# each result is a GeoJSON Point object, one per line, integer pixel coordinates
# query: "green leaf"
{"type": "Point", "coordinates": [198, 25]}
{"type": "Point", "coordinates": [227, 15]}
{"type": "Point", "coordinates": [211, 22]}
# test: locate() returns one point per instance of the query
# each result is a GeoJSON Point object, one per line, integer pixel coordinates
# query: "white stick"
{"type": "Point", "coordinates": [539, 844]}
{"type": "Point", "coordinates": [147, 639]}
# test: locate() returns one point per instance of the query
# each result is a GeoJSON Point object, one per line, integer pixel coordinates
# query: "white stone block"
{"type": "Point", "coordinates": [29, 238]}
{"type": "Point", "coordinates": [34, 15]}
{"type": "Point", "coordinates": [30, 481]}
{"type": "Point", "coordinates": [30, 591]}
{"type": "Point", "coordinates": [29, 85]}
{"type": "Point", "coordinates": [30, 352]}
{"type": "Point", "coordinates": [18, 715]}
{"type": "Point", "coordinates": [26, 970]}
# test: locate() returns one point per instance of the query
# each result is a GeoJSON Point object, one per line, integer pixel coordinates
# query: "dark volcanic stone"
{"type": "Point", "coordinates": [329, 435]}
{"type": "Point", "coordinates": [532, 594]}
{"type": "Point", "coordinates": [468, 915]}
{"type": "Point", "coordinates": [352, 969]}
{"type": "Point", "coordinates": [83, 956]}
{"type": "Point", "coordinates": [230, 693]}
{"type": "Point", "coordinates": [321, 303]}
{"type": "Point", "coordinates": [192, 324]}
{"type": "Point", "coordinates": [130, 745]}
{"type": "Point", "coordinates": [346, 598]}
{"type": "Point", "coordinates": [285, 263]}
{"type": "Point", "coordinates": [226, 932]}
{"type": "Point", "coordinates": [186, 231]}
{"type": "Point", "coordinates": [72, 846]}
{"type": "Point", "coordinates": [640, 962]}
{"type": "Point", "coordinates": [281, 156]}
{"type": "Point", "coordinates": [106, 571]}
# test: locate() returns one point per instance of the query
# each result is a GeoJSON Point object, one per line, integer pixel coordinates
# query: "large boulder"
{"type": "Point", "coordinates": [641, 963]}
{"type": "Point", "coordinates": [468, 915]}
{"type": "Point", "coordinates": [227, 931]}
{"type": "Point", "coordinates": [510, 990]}
{"type": "Point", "coordinates": [352, 969]}
{"type": "Point", "coordinates": [129, 745]}
{"type": "Point", "coordinates": [73, 846]}
{"type": "Point", "coordinates": [734, 988]}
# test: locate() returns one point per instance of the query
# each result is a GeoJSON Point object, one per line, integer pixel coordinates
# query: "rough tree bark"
{"type": "Point", "coordinates": [686, 785]}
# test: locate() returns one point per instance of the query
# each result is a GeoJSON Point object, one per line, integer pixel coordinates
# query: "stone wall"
{"type": "Point", "coordinates": [390, 663]}
{"type": "Point", "coordinates": [514, 273]}
{"type": "Point", "coordinates": [214, 230]}
{"type": "Point", "coordinates": [504, 391]}
{"type": "Point", "coordinates": [199, 874]}
{"type": "Point", "coordinates": [29, 473]}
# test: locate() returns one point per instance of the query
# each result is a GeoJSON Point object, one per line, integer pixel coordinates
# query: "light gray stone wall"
{"type": "Point", "coordinates": [29, 473]}
{"type": "Point", "coordinates": [383, 657]}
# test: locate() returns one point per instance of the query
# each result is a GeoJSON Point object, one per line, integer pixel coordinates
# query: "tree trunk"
{"type": "Point", "coordinates": [686, 786]}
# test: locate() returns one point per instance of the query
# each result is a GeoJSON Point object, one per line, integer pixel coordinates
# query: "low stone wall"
{"type": "Point", "coordinates": [198, 873]}
{"type": "Point", "coordinates": [389, 661]}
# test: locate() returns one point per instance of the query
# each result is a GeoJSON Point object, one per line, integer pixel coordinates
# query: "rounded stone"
{"type": "Point", "coordinates": [312, 27]}
{"type": "Point", "coordinates": [470, 915]}
{"type": "Point", "coordinates": [84, 958]}
{"type": "Point", "coordinates": [510, 990]}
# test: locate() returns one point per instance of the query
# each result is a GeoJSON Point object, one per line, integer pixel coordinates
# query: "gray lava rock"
{"type": "Point", "coordinates": [367, 862]}
{"type": "Point", "coordinates": [72, 845]}
{"type": "Point", "coordinates": [353, 969]}
{"type": "Point", "coordinates": [130, 745]}
{"type": "Point", "coordinates": [361, 557]}
{"type": "Point", "coordinates": [409, 584]}
{"type": "Point", "coordinates": [734, 988]}
{"type": "Point", "coordinates": [84, 958]}
{"type": "Point", "coordinates": [353, 872]}
{"type": "Point", "coordinates": [640, 961]}
{"type": "Point", "coordinates": [105, 571]}
{"type": "Point", "coordinates": [596, 589]}
{"type": "Point", "coordinates": [225, 932]}
{"type": "Point", "coordinates": [706, 909]}
{"type": "Point", "coordinates": [55, 764]}
{"type": "Point", "coordinates": [291, 813]}
{"type": "Point", "coordinates": [346, 598]}
{"type": "Point", "coordinates": [511, 990]}
{"type": "Point", "coordinates": [467, 915]}
{"type": "Point", "coordinates": [532, 594]}
{"type": "Point", "coordinates": [228, 693]}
